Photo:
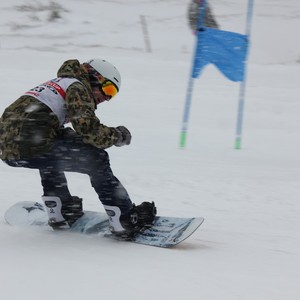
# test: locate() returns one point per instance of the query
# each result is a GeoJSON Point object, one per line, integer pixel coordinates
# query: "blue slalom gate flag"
{"type": "Point", "coordinates": [226, 50]}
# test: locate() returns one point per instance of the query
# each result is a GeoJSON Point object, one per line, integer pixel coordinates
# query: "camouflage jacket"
{"type": "Point", "coordinates": [28, 127]}
{"type": "Point", "coordinates": [193, 15]}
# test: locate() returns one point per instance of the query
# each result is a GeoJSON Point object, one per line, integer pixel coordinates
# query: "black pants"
{"type": "Point", "coordinates": [71, 154]}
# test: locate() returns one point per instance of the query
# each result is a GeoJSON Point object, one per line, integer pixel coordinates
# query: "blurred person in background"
{"type": "Point", "coordinates": [193, 15]}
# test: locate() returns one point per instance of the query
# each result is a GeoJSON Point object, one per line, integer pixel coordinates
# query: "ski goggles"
{"type": "Point", "coordinates": [108, 88]}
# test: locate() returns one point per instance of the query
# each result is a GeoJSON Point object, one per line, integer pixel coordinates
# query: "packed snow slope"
{"type": "Point", "coordinates": [249, 244]}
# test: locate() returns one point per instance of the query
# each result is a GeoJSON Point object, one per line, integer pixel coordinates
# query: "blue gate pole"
{"type": "Point", "coordinates": [189, 94]}
{"type": "Point", "coordinates": [241, 103]}
{"type": "Point", "coordinates": [187, 108]}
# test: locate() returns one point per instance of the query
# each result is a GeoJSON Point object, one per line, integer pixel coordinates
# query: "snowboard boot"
{"type": "Point", "coordinates": [62, 214]}
{"type": "Point", "coordinates": [137, 219]}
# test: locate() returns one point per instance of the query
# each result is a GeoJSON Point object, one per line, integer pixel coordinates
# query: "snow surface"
{"type": "Point", "coordinates": [249, 244]}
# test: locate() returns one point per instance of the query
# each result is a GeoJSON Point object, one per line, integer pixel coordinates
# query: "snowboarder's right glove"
{"type": "Point", "coordinates": [123, 136]}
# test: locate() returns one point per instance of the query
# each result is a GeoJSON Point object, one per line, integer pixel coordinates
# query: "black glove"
{"type": "Point", "coordinates": [123, 136]}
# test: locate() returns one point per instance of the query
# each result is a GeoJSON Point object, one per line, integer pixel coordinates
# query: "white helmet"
{"type": "Point", "coordinates": [107, 70]}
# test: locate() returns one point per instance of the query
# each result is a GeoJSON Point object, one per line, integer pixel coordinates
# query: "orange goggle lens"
{"type": "Point", "coordinates": [109, 88]}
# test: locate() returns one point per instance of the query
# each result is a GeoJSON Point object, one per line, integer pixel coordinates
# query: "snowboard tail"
{"type": "Point", "coordinates": [165, 232]}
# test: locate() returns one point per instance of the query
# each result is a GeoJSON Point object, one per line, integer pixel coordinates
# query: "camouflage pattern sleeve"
{"type": "Point", "coordinates": [81, 112]}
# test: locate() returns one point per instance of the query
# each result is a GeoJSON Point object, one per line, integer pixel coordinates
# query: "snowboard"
{"type": "Point", "coordinates": [166, 231]}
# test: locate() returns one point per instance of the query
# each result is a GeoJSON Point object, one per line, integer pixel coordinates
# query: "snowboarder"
{"type": "Point", "coordinates": [33, 135]}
